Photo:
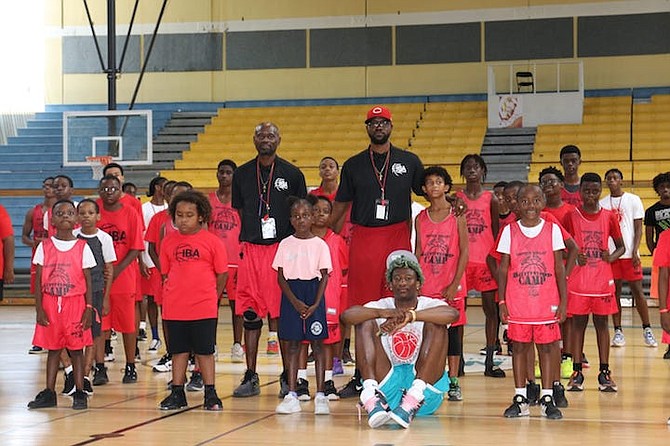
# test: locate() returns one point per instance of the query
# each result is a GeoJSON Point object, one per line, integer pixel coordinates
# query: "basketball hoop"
{"type": "Point", "coordinates": [98, 164]}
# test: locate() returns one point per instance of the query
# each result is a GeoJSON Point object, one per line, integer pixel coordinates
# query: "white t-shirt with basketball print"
{"type": "Point", "coordinates": [403, 346]}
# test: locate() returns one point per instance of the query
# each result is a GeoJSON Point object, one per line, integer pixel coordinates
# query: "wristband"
{"type": "Point", "coordinates": [501, 302]}
{"type": "Point", "coordinates": [413, 313]}
{"type": "Point", "coordinates": [663, 310]}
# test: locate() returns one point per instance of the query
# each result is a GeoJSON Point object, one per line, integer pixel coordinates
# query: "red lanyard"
{"type": "Point", "coordinates": [381, 179]}
{"type": "Point", "coordinates": [264, 189]}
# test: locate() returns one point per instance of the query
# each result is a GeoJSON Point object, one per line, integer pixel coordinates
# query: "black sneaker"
{"type": "Point", "coordinates": [130, 375]}
{"type": "Point", "coordinates": [35, 350]}
{"type": "Point", "coordinates": [249, 386]}
{"type": "Point", "coordinates": [100, 376]}
{"type": "Point", "coordinates": [352, 389]}
{"type": "Point", "coordinates": [302, 389]}
{"type": "Point", "coordinates": [68, 386]}
{"type": "Point", "coordinates": [46, 398]}
{"type": "Point", "coordinates": [79, 400]}
{"type": "Point", "coordinates": [518, 408]}
{"type": "Point", "coordinates": [533, 393]}
{"type": "Point", "coordinates": [283, 385]}
{"type": "Point", "coordinates": [605, 382]}
{"type": "Point", "coordinates": [576, 383]}
{"type": "Point", "coordinates": [559, 395]}
{"type": "Point", "coordinates": [549, 409]}
{"type": "Point", "coordinates": [212, 401]}
{"type": "Point", "coordinates": [164, 364]}
{"type": "Point", "coordinates": [330, 391]}
{"type": "Point", "coordinates": [88, 388]}
{"type": "Point", "coordinates": [494, 372]}
{"type": "Point", "coordinates": [195, 384]}
{"type": "Point", "coordinates": [175, 400]}
{"type": "Point", "coordinates": [142, 335]}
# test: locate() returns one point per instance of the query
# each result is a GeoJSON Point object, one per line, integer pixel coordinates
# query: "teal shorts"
{"type": "Point", "coordinates": [400, 378]}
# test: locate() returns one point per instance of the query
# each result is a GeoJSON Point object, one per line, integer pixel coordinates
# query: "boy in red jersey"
{"type": "Point", "coordinates": [63, 302]}
{"type": "Point", "coordinates": [124, 224]}
{"type": "Point", "coordinates": [442, 250]}
{"type": "Point", "coordinates": [591, 282]}
{"type": "Point", "coordinates": [570, 158]}
{"type": "Point", "coordinates": [532, 293]}
{"type": "Point", "coordinates": [225, 223]}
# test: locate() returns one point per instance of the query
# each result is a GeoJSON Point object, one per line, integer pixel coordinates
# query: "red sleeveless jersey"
{"type": "Point", "coordinates": [440, 252]}
{"type": "Point", "coordinates": [225, 224]}
{"type": "Point", "coordinates": [532, 293]}
{"type": "Point", "coordinates": [480, 233]}
{"type": "Point", "coordinates": [38, 223]}
{"type": "Point", "coordinates": [62, 273]}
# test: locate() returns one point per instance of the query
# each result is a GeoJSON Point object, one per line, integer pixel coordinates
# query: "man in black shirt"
{"type": "Point", "coordinates": [261, 188]}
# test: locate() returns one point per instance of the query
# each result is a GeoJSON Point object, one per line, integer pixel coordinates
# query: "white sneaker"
{"type": "Point", "coordinates": [154, 345]}
{"type": "Point", "coordinates": [237, 353]}
{"type": "Point", "coordinates": [649, 338]}
{"type": "Point", "coordinates": [618, 340]}
{"type": "Point", "coordinates": [290, 404]}
{"type": "Point", "coordinates": [164, 367]}
{"type": "Point", "coordinates": [109, 357]}
{"type": "Point", "coordinates": [321, 406]}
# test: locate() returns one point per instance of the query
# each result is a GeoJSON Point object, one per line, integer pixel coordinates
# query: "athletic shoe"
{"type": "Point", "coordinates": [289, 404]}
{"type": "Point", "coordinates": [237, 353]}
{"type": "Point", "coordinates": [666, 355]}
{"type": "Point", "coordinates": [494, 372]}
{"type": "Point", "coordinates": [533, 393]}
{"type": "Point", "coordinates": [330, 391]}
{"type": "Point", "coordinates": [538, 372]}
{"type": "Point", "coordinates": [130, 375]}
{"type": "Point", "coordinates": [109, 357]}
{"type": "Point", "coordinates": [164, 364]}
{"type": "Point", "coordinates": [283, 385]}
{"type": "Point", "coordinates": [35, 350]}
{"type": "Point", "coordinates": [605, 382]}
{"type": "Point", "coordinates": [321, 406]}
{"type": "Point", "coordinates": [142, 335]}
{"type": "Point", "coordinates": [618, 340]}
{"type": "Point", "coordinates": [649, 339]}
{"type": "Point", "coordinates": [212, 402]}
{"type": "Point", "coordinates": [337, 367]}
{"type": "Point", "coordinates": [377, 409]}
{"type": "Point", "coordinates": [249, 386]}
{"type": "Point", "coordinates": [566, 367]}
{"type": "Point", "coordinates": [576, 383]}
{"type": "Point", "coordinates": [154, 346]}
{"type": "Point", "coordinates": [273, 346]}
{"type": "Point", "coordinates": [346, 357]}
{"type": "Point", "coordinates": [79, 400]}
{"type": "Point", "coordinates": [88, 388]}
{"type": "Point", "coordinates": [454, 393]}
{"type": "Point", "coordinates": [405, 412]}
{"type": "Point", "coordinates": [195, 384]}
{"type": "Point", "coordinates": [68, 386]}
{"type": "Point", "coordinates": [302, 389]}
{"type": "Point", "coordinates": [559, 395]}
{"type": "Point", "coordinates": [352, 389]}
{"type": "Point", "coordinates": [46, 398]}
{"type": "Point", "coordinates": [518, 408]}
{"type": "Point", "coordinates": [549, 409]}
{"type": "Point", "coordinates": [100, 376]}
{"type": "Point", "coordinates": [175, 400]}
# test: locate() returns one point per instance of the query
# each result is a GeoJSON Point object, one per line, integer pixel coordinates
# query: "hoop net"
{"type": "Point", "coordinates": [97, 164]}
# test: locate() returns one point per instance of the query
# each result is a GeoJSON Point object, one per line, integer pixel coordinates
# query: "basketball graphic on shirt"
{"type": "Point", "coordinates": [436, 253]}
{"type": "Point", "coordinates": [185, 252]}
{"type": "Point", "coordinates": [532, 272]}
{"type": "Point", "coordinates": [58, 283]}
{"type": "Point", "coordinates": [592, 249]}
{"type": "Point", "coordinates": [223, 221]}
{"type": "Point", "coordinates": [475, 223]}
{"type": "Point", "coordinates": [404, 345]}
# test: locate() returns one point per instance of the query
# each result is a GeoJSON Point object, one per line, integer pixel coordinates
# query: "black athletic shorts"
{"type": "Point", "coordinates": [198, 336]}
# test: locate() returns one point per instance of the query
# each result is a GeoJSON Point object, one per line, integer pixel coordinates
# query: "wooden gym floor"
{"type": "Point", "coordinates": [121, 414]}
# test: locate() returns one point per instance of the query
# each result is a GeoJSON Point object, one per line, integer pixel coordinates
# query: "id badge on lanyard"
{"type": "Point", "coordinates": [382, 209]}
{"type": "Point", "coordinates": [268, 228]}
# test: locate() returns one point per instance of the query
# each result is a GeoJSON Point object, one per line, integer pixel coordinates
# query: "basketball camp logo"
{"type": "Point", "coordinates": [186, 253]}
{"type": "Point", "coordinates": [437, 252]}
{"type": "Point", "coordinates": [316, 328]}
{"type": "Point", "coordinates": [224, 221]}
{"type": "Point", "coordinates": [281, 184]}
{"type": "Point", "coordinates": [398, 169]}
{"type": "Point", "coordinates": [532, 272]}
{"type": "Point", "coordinates": [475, 223]}
{"type": "Point", "coordinates": [593, 242]}
{"type": "Point", "coordinates": [118, 236]}
{"type": "Point", "coordinates": [58, 283]}
{"type": "Point", "coordinates": [404, 346]}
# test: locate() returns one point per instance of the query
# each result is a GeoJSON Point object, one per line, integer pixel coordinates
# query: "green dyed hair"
{"type": "Point", "coordinates": [404, 262]}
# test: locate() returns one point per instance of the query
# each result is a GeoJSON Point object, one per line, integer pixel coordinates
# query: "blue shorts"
{"type": "Point", "coordinates": [294, 328]}
{"type": "Point", "coordinates": [400, 378]}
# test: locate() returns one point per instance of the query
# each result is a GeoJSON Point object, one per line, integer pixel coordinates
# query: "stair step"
{"type": "Point", "coordinates": [193, 114]}
{"type": "Point", "coordinates": [170, 146]}
{"type": "Point", "coordinates": [525, 139]}
{"type": "Point", "coordinates": [519, 131]}
{"type": "Point", "coordinates": [189, 122]}
{"type": "Point", "coordinates": [505, 159]}
{"type": "Point", "coordinates": [176, 138]}
{"type": "Point", "coordinates": [507, 149]}
{"type": "Point", "coordinates": [170, 130]}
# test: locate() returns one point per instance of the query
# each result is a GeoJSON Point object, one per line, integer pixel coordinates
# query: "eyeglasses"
{"type": "Point", "coordinates": [373, 124]}
{"type": "Point", "coordinates": [109, 190]}
{"type": "Point", "coordinates": [64, 213]}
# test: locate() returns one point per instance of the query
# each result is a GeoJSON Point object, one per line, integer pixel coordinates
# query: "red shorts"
{"type": "Point", "coordinates": [121, 315]}
{"type": "Point", "coordinates": [665, 338]}
{"type": "Point", "coordinates": [539, 334]}
{"type": "Point", "coordinates": [333, 323]}
{"type": "Point", "coordinates": [64, 329]}
{"type": "Point", "coordinates": [459, 304]}
{"type": "Point", "coordinates": [653, 289]}
{"type": "Point", "coordinates": [478, 277]}
{"type": "Point", "coordinates": [257, 286]}
{"type": "Point", "coordinates": [150, 285]}
{"type": "Point", "coordinates": [367, 260]}
{"type": "Point", "coordinates": [600, 306]}
{"type": "Point", "coordinates": [231, 282]}
{"type": "Point", "coordinates": [624, 269]}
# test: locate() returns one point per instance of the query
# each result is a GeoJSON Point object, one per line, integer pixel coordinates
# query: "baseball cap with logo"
{"type": "Point", "coordinates": [378, 112]}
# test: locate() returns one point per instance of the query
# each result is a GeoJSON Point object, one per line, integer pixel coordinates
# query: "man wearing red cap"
{"type": "Point", "coordinates": [377, 183]}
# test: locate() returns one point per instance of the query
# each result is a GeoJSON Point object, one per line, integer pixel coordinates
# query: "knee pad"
{"type": "Point", "coordinates": [251, 320]}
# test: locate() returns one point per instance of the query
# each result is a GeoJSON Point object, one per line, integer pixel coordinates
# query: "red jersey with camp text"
{"type": "Point", "coordinates": [532, 293]}
{"type": "Point", "coordinates": [480, 233]}
{"type": "Point", "coordinates": [62, 274]}
{"type": "Point", "coordinates": [440, 252]}
{"type": "Point", "coordinates": [225, 224]}
{"type": "Point", "coordinates": [591, 232]}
